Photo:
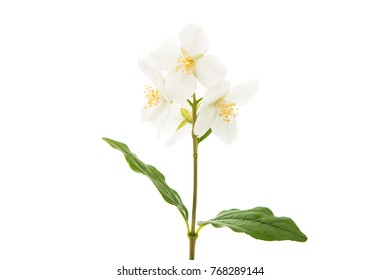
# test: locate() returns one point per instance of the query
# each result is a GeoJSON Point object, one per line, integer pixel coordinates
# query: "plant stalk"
{"type": "Point", "coordinates": [192, 235]}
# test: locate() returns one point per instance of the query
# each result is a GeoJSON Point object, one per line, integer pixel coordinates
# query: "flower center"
{"type": "Point", "coordinates": [186, 64]}
{"type": "Point", "coordinates": [152, 96]}
{"type": "Point", "coordinates": [228, 111]}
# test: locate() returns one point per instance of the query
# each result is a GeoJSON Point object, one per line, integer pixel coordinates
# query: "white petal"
{"type": "Point", "coordinates": [151, 73]}
{"type": "Point", "coordinates": [163, 117]}
{"type": "Point", "coordinates": [205, 118]}
{"type": "Point", "coordinates": [161, 88]}
{"type": "Point", "coordinates": [193, 40]}
{"type": "Point", "coordinates": [173, 120]}
{"type": "Point", "coordinates": [154, 112]}
{"type": "Point", "coordinates": [214, 93]}
{"type": "Point", "coordinates": [164, 58]}
{"type": "Point", "coordinates": [179, 86]}
{"type": "Point", "coordinates": [243, 93]}
{"type": "Point", "coordinates": [226, 131]}
{"type": "Point", "coordinates": [210, 70]}
{"type": "Point", "coordinates": [179, 135]}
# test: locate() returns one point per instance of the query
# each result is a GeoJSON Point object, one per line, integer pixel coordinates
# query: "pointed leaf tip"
{"type": "Point", "coordinates": [259, 223]}
{"type": "Point", "coordinates": [157, 178]}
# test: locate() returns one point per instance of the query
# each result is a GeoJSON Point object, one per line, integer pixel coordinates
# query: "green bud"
{"type": "Point", "coordinates": [187, 115]}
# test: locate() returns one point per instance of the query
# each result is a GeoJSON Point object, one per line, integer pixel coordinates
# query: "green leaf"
{"type": "Point", "coordinates": [169, 195]}
{"type": "Point", "coordinates": [205, 135]}
{"type": "Point", "coordinates": [181, 125]}
{"type": "Point", "coordinates": [259, 223]}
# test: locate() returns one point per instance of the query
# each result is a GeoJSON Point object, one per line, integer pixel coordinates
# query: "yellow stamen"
{"type": "Point", "coordinates": [228, 111]}
{"type": "Point", "coordinates": [152, 95]}
{"type": "Point", "coordinates": [186, 64]}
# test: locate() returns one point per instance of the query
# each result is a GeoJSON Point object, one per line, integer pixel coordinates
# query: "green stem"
{"type": "Point", "coordinates": [193, 234]}
{"type": "Point", "coordinates": [199, 228]}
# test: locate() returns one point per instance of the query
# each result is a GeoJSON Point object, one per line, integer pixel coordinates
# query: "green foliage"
{"type": "Point", "coordinates": [158, 179]}
{"type": "Point", "coordinates": [205, 135]}
{"type": "Point", "coordinates": [181, 125]}
{"type": "Point", "coordinates": [259, 223]}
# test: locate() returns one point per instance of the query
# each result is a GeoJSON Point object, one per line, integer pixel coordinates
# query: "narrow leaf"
{"type": "Point", "coordinates": [158, 179]}
{"type": "Point", "coordinates": [205, 135]}
{"type": "Point", "coordinates": [259, 223]}
{"type": "Point", "coordinates": [181, 125]}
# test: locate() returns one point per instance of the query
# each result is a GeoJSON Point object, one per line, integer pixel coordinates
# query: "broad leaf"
{"type": "Point", "coordinates": [259, 223]}
{"type": "Point", "coordinates": [169, 195]}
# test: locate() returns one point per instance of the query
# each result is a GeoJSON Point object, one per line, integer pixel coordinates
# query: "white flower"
{"type": "Point", "coordinates": [219, 109]}
{"type": "Point", "coordinates": [158, 105]}
{"type": "Point", "coordinates": [187, 64]}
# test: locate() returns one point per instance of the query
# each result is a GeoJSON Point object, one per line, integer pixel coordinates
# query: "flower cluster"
{"type": "Point", "coordinates": [175, 72]}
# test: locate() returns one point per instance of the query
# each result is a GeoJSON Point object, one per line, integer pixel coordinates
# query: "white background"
{"type": "Point", "coordinates": [309, 143]}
